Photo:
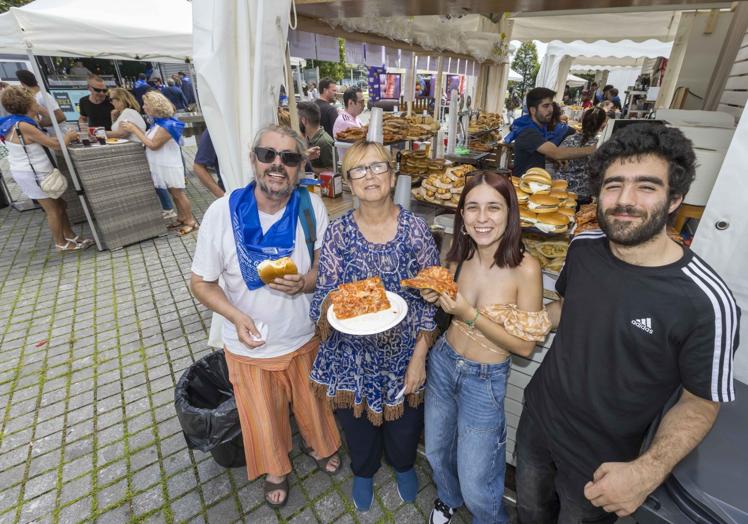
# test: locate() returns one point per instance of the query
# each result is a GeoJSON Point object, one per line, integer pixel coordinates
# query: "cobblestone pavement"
{"type": "Point", "coordinates": [91, 345]}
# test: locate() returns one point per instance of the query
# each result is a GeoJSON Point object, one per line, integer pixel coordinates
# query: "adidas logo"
{"type": "Point", "coordinates": [645, 324]}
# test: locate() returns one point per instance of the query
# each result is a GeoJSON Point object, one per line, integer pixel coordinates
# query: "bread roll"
{"type": "Point", "coordinates": [269, 270]}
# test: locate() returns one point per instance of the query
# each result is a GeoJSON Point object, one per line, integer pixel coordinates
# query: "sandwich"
{"type": "Point", "coordinates": [568, 212]}
{"type": "Point", "coordinates": [559, 194]}
{"type": "Point", "coordinates": [536, 181]}
{"type": "Point", "coordinates": [522, 197]}
{"type": "Point", "coordinates": [526, 217]}
{"type": "Point", "coordinates": [515, 181]}
{"type": "Point", "coordinates": [542, 204]}
{"type": "Point", "coordinates": [269, 270]}
{"type": "Point", "coordinates": [559, 185]}
{"type": "Point", "coordinates": [552, 223]}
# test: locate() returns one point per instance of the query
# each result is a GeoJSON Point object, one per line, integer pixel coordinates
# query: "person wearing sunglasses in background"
{"type": "Point", "coordinates": [269, 339]}
{"type": "Point", "coordinates": [376, 382]}
{"type": "Point", "coordinates": [96, 108]}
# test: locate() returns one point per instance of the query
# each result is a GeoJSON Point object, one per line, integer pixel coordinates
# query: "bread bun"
{"type": "Point", "coordinates": [522, 197]}
{"type": "Point", "coordinates": [527, 218]}
{"type": "Point", "coordinates": [559, 194]}
{"type": "Point", "coordinates": [269, 270]}
{"type": "Point", "coordinates": [553, 223]}
{"type": "Point", "coordinates": [559, 184]}
{"type": "Point", "coordinates": [515, 181]}
{"type": "Point", "coordinates": [567, 211]}
{"type": "Point", "coordinates": [542, 204]}
{"type": "Point", "coordinates": [538, 172]}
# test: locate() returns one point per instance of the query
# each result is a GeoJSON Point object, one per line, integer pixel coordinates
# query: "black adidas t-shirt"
{"type": "Point", "coordinates": [629, 336]}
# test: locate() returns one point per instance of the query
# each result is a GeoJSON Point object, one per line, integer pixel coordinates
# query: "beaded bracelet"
{"type": "Point", "coordinates": [471, 324]}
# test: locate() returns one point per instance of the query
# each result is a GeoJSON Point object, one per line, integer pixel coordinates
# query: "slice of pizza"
{"type": "Point", "coordinates": [359, 298]}
{"type": "Point", "coordinates": [435, 277]}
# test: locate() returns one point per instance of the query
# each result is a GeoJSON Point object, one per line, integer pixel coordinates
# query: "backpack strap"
{"type": "Point", "coordinates": [308, 221]}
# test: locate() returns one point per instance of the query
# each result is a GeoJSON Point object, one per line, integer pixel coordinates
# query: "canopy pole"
{"type": "Point", "coordinates": [291, 92]}
{"type": "Point", "coordinates": [193, 77]}
{"type": "Point", "coordinates": [119, 73]}
{"type": "Point", "coordinates": [411, 93]}
{"type": "Point", "coordinates": [506, 25]}
{"type": "Point", "coordinates": [65, 154]}
{"type": "Point", "coordinates": [438, 88]}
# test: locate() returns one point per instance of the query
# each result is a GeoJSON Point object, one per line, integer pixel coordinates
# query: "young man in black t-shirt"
{"type": "Point", "coordinates": [328, 90]}
{"type": "Point", "coordinates": [531, 147]}
{"type": "Point", "coordinates": [641, 319]}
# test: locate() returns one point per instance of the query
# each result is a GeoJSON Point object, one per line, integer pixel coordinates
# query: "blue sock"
{"type": "Point", "coordinates": [407, 485]}
{"type": "Point", "coordinates": [363, 492]}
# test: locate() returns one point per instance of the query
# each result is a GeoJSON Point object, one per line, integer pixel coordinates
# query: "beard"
{"type": "Point", "coordinates": [630, 233]}
{"type": "Point", "coordinates": [275, 194]}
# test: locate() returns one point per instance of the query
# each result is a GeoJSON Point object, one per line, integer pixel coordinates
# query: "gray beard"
{"type": "Point", "coordinates": [271, 193]}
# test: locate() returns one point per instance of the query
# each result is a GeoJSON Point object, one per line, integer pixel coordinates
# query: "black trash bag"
{"type": "Point", "coordinates": [206, 408]}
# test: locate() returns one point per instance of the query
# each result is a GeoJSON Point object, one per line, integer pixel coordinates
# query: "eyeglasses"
{"type": "Point", "coordinates": [376, 168]}
{"type": "Point", "coordinates": [96, 89]}
{"type": "Point", "coordinates": [267, 155]}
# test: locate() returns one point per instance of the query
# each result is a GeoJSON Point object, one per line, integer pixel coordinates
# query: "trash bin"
{"type": "Point", "coordinates": [206, 408]}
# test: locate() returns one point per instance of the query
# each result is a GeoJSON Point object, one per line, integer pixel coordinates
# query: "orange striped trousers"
{"type": "Point", "coordinates": [264, 388]}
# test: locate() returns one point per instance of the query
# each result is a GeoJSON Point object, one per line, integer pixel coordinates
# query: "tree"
{"type": "Point", "coordinates": [7, 4]}
{"type": "Point", "coordinates": [334, 70]}
{"type": "Point", "coordinates": [526, 64]}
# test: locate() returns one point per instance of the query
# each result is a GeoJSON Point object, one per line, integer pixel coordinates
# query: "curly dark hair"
{"type": "Point", "coordinates": [667, 143]}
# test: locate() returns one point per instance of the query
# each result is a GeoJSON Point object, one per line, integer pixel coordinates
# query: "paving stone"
{"type": "Point", "coordinates": [147, 476]}
{"type": "Point", "coordinates": [78, 449]}
{"type": "Point", "coordinates": [263, 514]}
{"type": "Point", "coordinates": [181, 483]}
{"type": "Point", "coordinates": [9, 498]}
{"type": "Point", "coordinates": [76, 512]}
{"type": "Point", "coordinates": [111, 452]}
{"type": "Point", "coordinates": [329, 507]}
{"type": "Point", "coordinates": [316, 483]}
{"type": "Point", "coordinates": [374, 514]}
{"type": "Point", "coordinates": [34, 510]}
{"type": "Point", "coordinates": [156, 518]}
{"type": "Point", "coordinates": [117, 515]}
{"type": "Point", "coordinates": [111, 472]}
{"type": "Point", "coordinates": [77, 467]}
{"type": "Point", "coordinates": [346, 519]}
{"type": "Point", "coordinates": [112, 494]}
{"type": "Point", "coordinates": [177, 462]}
{"type": "Point", "coordinates": [224, 511]}
{"type": "Point", "coordinates": [187, 506]}
{"type": "Point", "coordinates": [296, 501]}
{"type": "Point", "coordinates": [408, 513]}
{"type": "Point", "coordinates": [40, 484]}
{"type": "Point", "coordinates": [143, 458]}
{"type": "Point", "coordinates": [79, 431]}
{"type": "Point", "coordinates": [390, 497]}
{"type": "Point", "coordinates": [147, 501]}
{"type": "Point", "coordinates": [425, 499]}
{"type": "Point", "coordinates": [305, 517]}
{"type": "Point", "coordinates": [74, 489]}
{"type": "Point", "coordinates": [216, 489]}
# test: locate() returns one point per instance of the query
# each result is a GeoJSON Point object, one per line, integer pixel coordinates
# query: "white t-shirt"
{"type": "Point", "coordinates": [55, 106]}
{"type": "Point", "coordinates": [132, 116]}
{"type": "Point", "coordinates": [287, 318]}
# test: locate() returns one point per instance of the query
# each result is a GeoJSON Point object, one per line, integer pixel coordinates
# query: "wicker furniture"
{"type": "Point", "coordinates": [119, 190]}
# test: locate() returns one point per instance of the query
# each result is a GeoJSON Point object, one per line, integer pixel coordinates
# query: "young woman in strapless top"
{"type": "Point", "coordinates": [498, 311]}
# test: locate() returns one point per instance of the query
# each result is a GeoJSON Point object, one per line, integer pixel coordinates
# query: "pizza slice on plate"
{"type": "Point", "coordinates": [359, 298]}
{"type": "Point", "coordinates": [435, 277]}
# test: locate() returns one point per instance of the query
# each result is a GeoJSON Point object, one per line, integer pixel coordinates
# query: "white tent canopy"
{"type": "Point", "coordinates": [116, 29]}
{"type": "Point", "coordinates": [473, 35]}
{"type": "Point", "coordinates": [560, 58]}
{"type": "Point", "coordinates": [575, 81]}
{"type": "Point", "coordinates": [589, 27]}
{"type": "Point", "coordinates": [514, 76]}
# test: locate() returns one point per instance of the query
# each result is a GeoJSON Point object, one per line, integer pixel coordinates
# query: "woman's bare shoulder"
{"type": "Point", "coordinates": [529, 267]}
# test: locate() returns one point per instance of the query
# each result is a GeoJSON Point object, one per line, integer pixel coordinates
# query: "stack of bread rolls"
{"type": "Point", "coordinates": [444, 188]}
{"type": "Point", "coordinates": [544, 203]}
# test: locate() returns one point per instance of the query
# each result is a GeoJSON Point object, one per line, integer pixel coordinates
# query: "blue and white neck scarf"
{"type": "Point", "coordinates": [252, 246]}
{"type": "Point", "coordinates": [9, 122]}
{"type": "Point", "coordinates": [173, 126]}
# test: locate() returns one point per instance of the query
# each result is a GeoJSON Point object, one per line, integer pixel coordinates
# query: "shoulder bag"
{"type": "Point", "coordinates": [55, 183]}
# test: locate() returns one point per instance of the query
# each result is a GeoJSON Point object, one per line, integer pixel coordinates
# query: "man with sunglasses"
{"type": "Point", "coordinates": [269, 339]}
{"type": "Point", "coordinates": [96, 108]}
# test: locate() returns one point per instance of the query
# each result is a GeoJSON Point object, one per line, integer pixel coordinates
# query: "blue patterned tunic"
{"type": "Point", "coordinates": [370, 370]}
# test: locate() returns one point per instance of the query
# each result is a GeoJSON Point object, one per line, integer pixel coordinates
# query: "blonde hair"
{"type": "Point", "coordinates": [126, 97]}
{"type": "Point", "coordinates": [358, 151]}
{"type": "Point", "coordinates": [159, 104]}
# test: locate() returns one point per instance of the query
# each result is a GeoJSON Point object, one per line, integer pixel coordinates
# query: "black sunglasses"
{"type": "Point", "coordinates": [99, 90]}
{"type": "Point", "coordinates": [267, 155]}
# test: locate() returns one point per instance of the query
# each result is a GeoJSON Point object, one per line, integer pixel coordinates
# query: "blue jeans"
{"type": "Point", "coordinates": [466, 432]}
{"type": "Point", "coordinates": [163, 196]}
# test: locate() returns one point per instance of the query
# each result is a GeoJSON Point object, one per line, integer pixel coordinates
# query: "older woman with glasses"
{"type": "Point", "coordinates": [376, 382]}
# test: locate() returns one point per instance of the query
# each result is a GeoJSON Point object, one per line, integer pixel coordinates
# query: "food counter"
{"type": "Point", "coordinates": [117, 184]}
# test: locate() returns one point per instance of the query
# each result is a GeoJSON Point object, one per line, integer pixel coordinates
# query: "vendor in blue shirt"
{"type": "Point", "coordinates": [204, 158]}
{"type": "Point", "coordinates": [533, 142]}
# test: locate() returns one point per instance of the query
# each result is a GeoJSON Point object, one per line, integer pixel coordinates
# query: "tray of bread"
{"type": "Point", "coordinates": [352, 134]}
{"type": "Point", "coordinates": [417, 164]}
{"type": "Point", "coordinates": [444, 189]}
{"type": "Point", "coordinates": [545, 206]}
{"type": "Point", "coordinates": [551, 253]}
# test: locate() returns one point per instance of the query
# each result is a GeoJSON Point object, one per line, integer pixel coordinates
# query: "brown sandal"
{"type": "Point", "coordinates": [323, 462]}
{"type": "Point", "coordinates": [268, 487]}
{"type": "Point", "coordinates": [187, 229]}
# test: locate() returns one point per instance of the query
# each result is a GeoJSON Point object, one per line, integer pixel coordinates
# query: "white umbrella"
{"type": "Point", "coordinates": [239, 51]}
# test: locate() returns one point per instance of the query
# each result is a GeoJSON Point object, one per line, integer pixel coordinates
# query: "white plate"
{"type": "Point", "coordinates": [372, 323]}
{"type": "Point", "coordinates": [111, 141]}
